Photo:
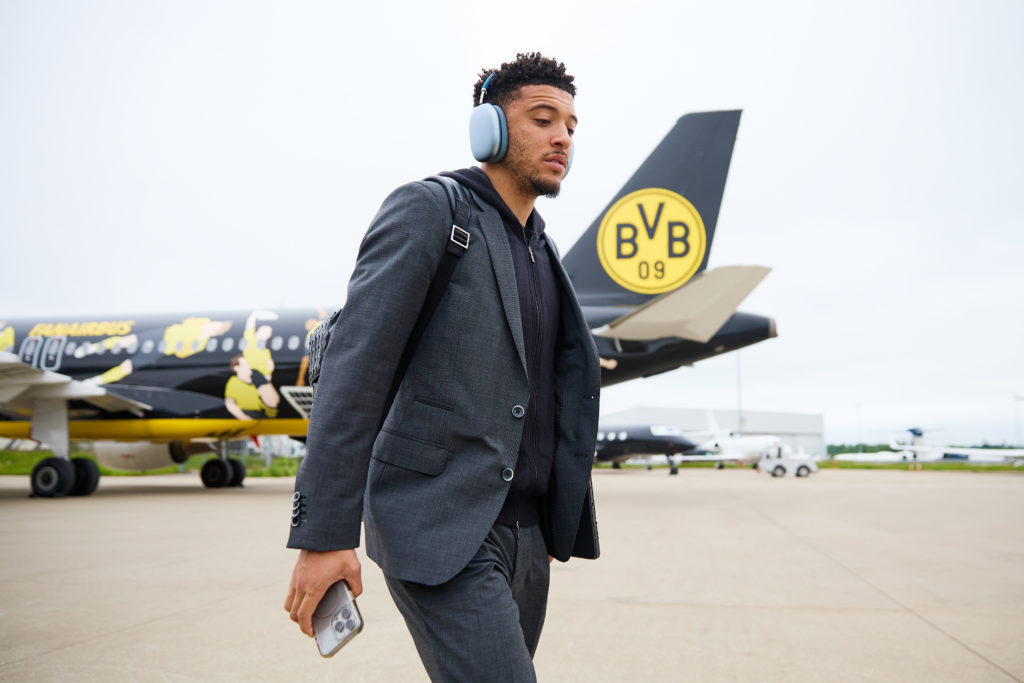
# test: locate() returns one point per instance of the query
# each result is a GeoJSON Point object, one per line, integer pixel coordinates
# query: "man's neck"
{"type": "Point", "coordinates": [521, 204]}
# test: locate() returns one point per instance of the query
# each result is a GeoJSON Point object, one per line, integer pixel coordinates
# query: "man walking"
{"type": "Point", "coordinates": [481, 470]}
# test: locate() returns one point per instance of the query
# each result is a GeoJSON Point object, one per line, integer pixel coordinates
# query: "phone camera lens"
{"type": "Point", "coordinates": [345, 612]}
{"type": "Point", "coordinates": [339, 626]}
{"type": "Point", "coordinates": [350, 624]}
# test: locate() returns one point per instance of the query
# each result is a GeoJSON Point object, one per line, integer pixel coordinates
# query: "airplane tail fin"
{"type": "Point", "coordinates": [657, 231]}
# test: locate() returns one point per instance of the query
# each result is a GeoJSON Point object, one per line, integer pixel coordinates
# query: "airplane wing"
{"type": "Point", "coordinates": [22, 385]}
{"type": "Point", "coordinates": [695, 311]}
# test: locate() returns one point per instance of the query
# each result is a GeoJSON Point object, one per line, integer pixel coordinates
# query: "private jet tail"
{"type": "Point", "coordinates": [656, 233]}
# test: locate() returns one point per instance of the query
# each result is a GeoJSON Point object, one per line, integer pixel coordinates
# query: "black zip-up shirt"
{"type": "Point", "coordinates": [539, 304]}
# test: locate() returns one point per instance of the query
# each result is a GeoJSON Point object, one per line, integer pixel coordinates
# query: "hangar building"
{"type": "Point", "coordinates": [806, 430]}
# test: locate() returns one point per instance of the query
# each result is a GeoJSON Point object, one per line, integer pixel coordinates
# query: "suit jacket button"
{"type": "Point", "coordinates": [507, 473]}
{"type": "Point", "coordinates": [518, 412]}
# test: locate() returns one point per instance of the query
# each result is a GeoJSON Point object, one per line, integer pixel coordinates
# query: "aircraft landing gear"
{"type": "Point", "coordinates": [222, 471]}
{"type": "Point", "coordinates": [53, 477]}
{"type": "Point", "coordinates": [59, 477]}
{"type": "Point", "coordinates": [216, 473]}
{"type": "Point", "coordinates": [237, 472]}
{"type": "Point", "coordinates": [87, 476]}
{"type": "Point", "coordinates": [616, 465]}
{"type": "Point", "coordinates": [672, 467]}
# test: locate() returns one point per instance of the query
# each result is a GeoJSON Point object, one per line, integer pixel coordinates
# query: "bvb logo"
{"type": "Point", "coordinates": [651, 241]}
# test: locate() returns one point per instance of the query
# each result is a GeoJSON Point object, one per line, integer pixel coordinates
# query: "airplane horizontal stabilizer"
{"type": "Point", "coordinates": [695, 311]}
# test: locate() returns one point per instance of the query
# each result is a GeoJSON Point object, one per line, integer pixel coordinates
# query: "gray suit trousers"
{"type": "Point", "coordinates": [483, 625]}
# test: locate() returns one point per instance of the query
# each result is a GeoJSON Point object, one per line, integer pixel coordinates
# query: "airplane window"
{"type": "Point", "coordinates": [622, 436]}
{"type": "Point", "coordinates": [212, 344]}
{"type": "Point", "coordinates": [162, 346]}
{"type": "Point", "coordinates": [242, 343]}
{"type": "Point", "coordinates": [611, 436]}
{"type": "Point", "coordinates": [195, 345]}
{"type": "Point", "coordinates": [69, 349]}
{"type": "Point", "coordinates": [99, 350]}
{"type": "Point", "coordinates": [261, 344]}
{"type": "Point", "coordinates": [293, 343]}
{"type": "Point", "coordinates": [307, 342]}
{"type": "Point", "coordinates": [180, 345]}
{"type": "Point", "coordinates": [228, 344]}
{"type": "Point", "coordinates": [600, 436]}
{"type": "Point", "coordinates": [115, 349]}
{"type": "Point", "coordinates": [276, 343]}
{"type": "Point", "coordinates": [133, 346]}
{"type": "Point", "coordinates": [147, 346]}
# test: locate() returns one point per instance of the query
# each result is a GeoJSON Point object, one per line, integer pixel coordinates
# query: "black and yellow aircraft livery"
{"type": "Point", "coordinates": [150, 390]}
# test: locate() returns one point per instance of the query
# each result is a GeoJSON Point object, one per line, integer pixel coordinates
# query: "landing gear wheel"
{"type": "Point", "coordinates": [53, 477]}
{"type": "Point", "coordinates": [216, 473]}
{"type": "Point", "coordinates": [672, 469]}
{"type": "Point", "coordinates": [237, 472]}
{"type": "Point", "coordinates": [779, 471]}
{"type": "Point", "coordinates": [802, 471]}
{"type": "Point", "coordinates": [616, 465]}
{"type": "Point", "coordinates": [87, 476]}
{"type": "Point", "coordinates": [719, 465]}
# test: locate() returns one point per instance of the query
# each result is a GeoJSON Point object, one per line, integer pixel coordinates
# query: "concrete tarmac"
{"type": "Point", "coordinates": [707, 576]}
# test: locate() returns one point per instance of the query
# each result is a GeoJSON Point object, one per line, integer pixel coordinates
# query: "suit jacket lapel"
{"type": "Point", "coordinates": [504, 271]}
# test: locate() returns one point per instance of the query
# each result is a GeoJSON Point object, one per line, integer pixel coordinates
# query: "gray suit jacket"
{"type": "Point", "coordinates": [430, 484]}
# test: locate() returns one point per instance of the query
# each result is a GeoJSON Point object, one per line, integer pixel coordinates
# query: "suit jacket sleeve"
{"type": "Point", "coordinates": [396, 263]}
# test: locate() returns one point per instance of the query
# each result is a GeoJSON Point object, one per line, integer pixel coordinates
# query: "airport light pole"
{"type": "Point", "coordinates": [1016, 420]}
{"type": "Point", "coordinates": [739, 396]}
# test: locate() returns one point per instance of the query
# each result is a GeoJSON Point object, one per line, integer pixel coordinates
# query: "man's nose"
{"type": "Point", "coordinates": [563, 139]}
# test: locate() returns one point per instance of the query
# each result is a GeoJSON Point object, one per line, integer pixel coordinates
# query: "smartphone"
{"type": "Point", "coordinates": [336, 619]}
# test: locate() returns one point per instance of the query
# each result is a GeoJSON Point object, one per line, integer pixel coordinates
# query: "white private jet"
{"type": "Point", "coordinates": [729, 445]}
{"type": "Point", "coordinates": [916, 451]}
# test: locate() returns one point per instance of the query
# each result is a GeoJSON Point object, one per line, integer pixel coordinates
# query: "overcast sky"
{"type": "Point", "coordinates": [186, 156]}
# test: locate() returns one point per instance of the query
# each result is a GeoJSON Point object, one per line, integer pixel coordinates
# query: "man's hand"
{"type": "Point", "coordinates": [314, 573]}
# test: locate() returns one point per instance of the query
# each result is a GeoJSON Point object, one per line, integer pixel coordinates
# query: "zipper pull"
{"type": "Point", "coordinates": [517, 529]}
{"type": "Point", "coordinates": [530, 249]}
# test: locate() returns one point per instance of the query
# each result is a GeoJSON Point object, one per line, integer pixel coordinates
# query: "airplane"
{"type": "Point", "coordinates": [916, 451]}
{"type": "Point", "coordinates": [619, 443]}
{"type": "Point", "coordinates": [152, 390]}
{"type": "Point", "coordinates": [746, 449]}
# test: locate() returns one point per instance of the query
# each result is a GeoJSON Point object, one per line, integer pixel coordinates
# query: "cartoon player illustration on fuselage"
{"type": "Point", "coordinates": [249, 394]}
{"type": "Point", "coordinates": [251, 390]}
{"type": "Point", "coordinates": [6, 337]}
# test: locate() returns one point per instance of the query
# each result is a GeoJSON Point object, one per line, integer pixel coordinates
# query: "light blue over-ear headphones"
{"type": "Point", "coordinates": [488, 131]}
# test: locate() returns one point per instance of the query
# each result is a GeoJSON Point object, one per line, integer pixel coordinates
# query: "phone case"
{"type": "Point", "coordinates": [336, 619]}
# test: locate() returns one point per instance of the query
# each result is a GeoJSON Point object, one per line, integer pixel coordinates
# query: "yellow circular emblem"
{"type": "Point", "coordinates": [651, 241]}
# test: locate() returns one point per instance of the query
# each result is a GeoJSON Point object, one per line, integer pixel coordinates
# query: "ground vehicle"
{"type": "Point", "coordinates": [779, 461]}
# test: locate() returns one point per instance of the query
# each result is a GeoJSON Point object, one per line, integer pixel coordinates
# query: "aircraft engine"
{"type": "Point", "coordinates": [145, 455]}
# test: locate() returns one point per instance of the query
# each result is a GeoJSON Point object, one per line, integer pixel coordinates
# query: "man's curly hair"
{"type": "Point", "coordinates": [530, 68]}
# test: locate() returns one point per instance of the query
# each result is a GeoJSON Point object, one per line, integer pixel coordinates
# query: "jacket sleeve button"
{"type": "Point", "coordinates": [518, 412]}
{"type": "Point", "coordinates": [507, 474]}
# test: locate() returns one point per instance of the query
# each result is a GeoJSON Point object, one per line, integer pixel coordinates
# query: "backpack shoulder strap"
{"type": "Point", "coordinates": [456, 245]}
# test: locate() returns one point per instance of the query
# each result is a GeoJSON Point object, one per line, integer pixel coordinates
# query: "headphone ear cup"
{"type": "Point", "coordinates": [488, 133]}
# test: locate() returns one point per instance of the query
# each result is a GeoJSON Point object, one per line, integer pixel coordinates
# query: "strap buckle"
{"type": "Point", "coordinates": [460, 237]}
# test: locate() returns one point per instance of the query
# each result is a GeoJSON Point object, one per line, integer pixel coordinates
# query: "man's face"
{"type": "Point", "coordinates": [243, 370]}
{"type": "Point", "coordinates": [541, 121]}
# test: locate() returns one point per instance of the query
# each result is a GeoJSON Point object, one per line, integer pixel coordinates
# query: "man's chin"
{"type": "Point", "coordinates": [546, 188]}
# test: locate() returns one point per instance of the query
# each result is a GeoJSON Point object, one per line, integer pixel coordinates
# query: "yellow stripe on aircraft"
{"type": "Point", "coordinates": [170, 429]}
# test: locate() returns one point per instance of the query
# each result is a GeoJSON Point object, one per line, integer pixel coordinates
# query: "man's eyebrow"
{"type": "Point", "coordinates": [553, 110]}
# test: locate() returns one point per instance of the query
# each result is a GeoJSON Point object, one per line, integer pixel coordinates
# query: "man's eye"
{"type": "Point", "coordinates": [543, 122]}
{"type": "Point", "coordinates": [572, 131]}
